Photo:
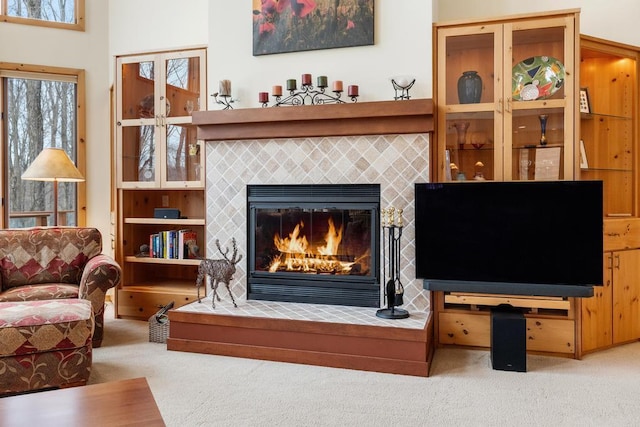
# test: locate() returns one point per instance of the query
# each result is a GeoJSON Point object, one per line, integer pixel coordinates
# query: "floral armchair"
{"type": "Point", "coordinates": [46, 263]}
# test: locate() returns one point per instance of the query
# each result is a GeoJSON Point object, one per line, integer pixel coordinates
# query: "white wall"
{"type": "Point", "coordinates": [138, 26]}
{"type": "Point", "coordinates": [607, 19]}
{"type": "Point", "coordinates": [27, 44]}
{"type": "Point", "coordinates": [402, 46]}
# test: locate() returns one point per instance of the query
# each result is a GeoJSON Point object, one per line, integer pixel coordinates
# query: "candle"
{"type": "Point", "coordinates": [291, 84]}
{"type": "Point", "coordinates": [224, 88]}
{"type": "Point", "coordinates": [322, 81]}
{"type": "Point", "coordinates": [263, 97]}
{"type": "Point", "coordinates": [276, 90]}
{"type": "Point", "coordinates": [337, 86]}
{"type": "Point", "coordinates": [353, 90]}
{"type": "Point", "coordinates": [306, 80]}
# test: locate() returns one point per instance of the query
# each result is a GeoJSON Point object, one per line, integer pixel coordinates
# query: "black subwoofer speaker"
{"type": "Point", "coordinates": [508, 339]}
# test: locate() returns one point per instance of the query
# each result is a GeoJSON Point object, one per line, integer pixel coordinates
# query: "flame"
{"type": "Point", "coordinates": [333, 240]}
{"type": "Point", "coordinates": [295, 254]}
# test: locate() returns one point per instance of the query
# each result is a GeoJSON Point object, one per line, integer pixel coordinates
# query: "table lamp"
{"type": "Point", "coordinates": [53, 164]}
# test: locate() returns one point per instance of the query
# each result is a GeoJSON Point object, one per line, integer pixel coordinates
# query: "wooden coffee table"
{"type": "Point", "coordinates": [110, 404]}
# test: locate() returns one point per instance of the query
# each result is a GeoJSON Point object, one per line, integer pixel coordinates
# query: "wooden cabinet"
{"type": "Point", "coordinates": [609, 152]}
{"type": "Point", "coordinates": [160, 165]}
{"type": "Point", "coordinates": [612, 315]}
{"type": "Point", "coordinates": [522, 126]}
{"type": "Point", "coordinates": [522, 123]}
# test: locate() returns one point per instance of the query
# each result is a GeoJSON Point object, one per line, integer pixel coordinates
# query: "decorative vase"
{"type": "Point", "coordinates": [469, 87]}
{"type": "Point", "coordinates": [543, 128]}
{"type": "Point", "coordinates": [461, 129]}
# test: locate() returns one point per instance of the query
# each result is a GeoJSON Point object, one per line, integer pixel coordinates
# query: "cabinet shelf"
{"type": "Point", "coordinates": [163, 287]}
{"type": "Point", "coordinates": [606, 170]}
{"type": "Point", "coordinates": [168, 261]}
{"type": "Point", "coordinates": [163, 221]}
{"type": "Point", "coordinates": [536, 146]}
{"type": "Point", "coordinates": [592, 116]}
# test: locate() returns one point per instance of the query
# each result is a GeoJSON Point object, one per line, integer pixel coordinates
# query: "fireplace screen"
{"type": "Point", "coordinates": [313, 246]}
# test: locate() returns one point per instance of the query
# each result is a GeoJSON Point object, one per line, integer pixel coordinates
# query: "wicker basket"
{"type": "Point", "coordinates": [159, 325]}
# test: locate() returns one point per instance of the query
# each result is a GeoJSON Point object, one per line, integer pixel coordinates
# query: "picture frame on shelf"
{"type": "Point", "coordinates": [585, 103]}
{"type": "Point", "coordinates": [584, 164]}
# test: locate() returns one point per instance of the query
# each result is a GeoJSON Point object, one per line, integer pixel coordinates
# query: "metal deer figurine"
{"type": "Point", "coordinates": [219, 270]}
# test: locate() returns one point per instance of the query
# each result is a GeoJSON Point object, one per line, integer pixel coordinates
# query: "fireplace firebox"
{"type": "Point", "coordinates": [314, 244]}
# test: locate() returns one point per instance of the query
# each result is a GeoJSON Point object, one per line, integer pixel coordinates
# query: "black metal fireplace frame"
{"type": "Point", "coordinates": [361, 291]}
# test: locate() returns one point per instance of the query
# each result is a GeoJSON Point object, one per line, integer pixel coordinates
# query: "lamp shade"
{"type": "Point", "coordinates": [52, 164]}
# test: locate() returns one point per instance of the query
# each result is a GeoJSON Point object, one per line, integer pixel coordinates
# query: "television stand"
{"type": "Point", "coordinates": [508, 339]}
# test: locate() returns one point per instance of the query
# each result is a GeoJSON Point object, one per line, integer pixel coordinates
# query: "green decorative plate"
{"type": "Point", "coordinates": [537, 77]}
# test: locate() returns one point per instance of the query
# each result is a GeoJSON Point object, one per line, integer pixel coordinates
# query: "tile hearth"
{"type": "Point", "coordinates": [303, 312]}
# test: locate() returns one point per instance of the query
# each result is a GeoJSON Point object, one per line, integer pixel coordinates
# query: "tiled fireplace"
{"type": "Point", "coordinates": [395, 162]}
{"type": "Point", "coordinates": [384, 145]}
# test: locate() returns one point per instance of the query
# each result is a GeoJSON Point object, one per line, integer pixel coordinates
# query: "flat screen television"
{"type": "Point", "coordinates": [518, 237]}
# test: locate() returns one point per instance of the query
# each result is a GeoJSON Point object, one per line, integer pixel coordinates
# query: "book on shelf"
{"type": "Point", "coordinates": [189, 244]}
{"type": "Point", "coordinates": [174, 244]}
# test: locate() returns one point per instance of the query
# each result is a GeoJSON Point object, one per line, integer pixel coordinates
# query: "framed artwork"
{"type": "Point", "coordinates": [585, 104]}
{"type": "Point", "coordinates": [281, 26]}
{"type": "Point", "coordinates": [584, 164]}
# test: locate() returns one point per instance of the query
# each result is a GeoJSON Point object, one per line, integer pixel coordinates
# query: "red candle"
{"type": "Point", "coordinates": [263, 97]}
{"type": "Point", "coordinates": [276, 91]}
{"type": "Point", "coordinates": [337, 86]}
{"type": "Point", "coordinates": [306, 79]}
{"type": "Point", "coordinates": [353, 90]}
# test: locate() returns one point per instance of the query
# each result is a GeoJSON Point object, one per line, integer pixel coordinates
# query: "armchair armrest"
{"type": "Point", "coordinates": [100, 274]}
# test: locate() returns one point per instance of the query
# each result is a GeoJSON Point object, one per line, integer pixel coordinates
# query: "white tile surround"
{"type": "Point", "coordinates": [395, 162]}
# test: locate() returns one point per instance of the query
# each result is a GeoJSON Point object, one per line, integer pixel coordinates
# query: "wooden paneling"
{"type": "Point", "coordinates": [543, 334]}
{"type": "Point", "coordinates": [596, 313]}
{"type": "Point", "coordinates": [363, 347]}
{"type": "Point", "coordinates": [626, 296]}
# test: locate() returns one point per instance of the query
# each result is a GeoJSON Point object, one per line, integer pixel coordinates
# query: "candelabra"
{"type": "Point", "coordinates": [226, 101]}
{"type": "Point", "coordinates": [308, 94]}
{"type": "Point", "coordinates": [394, 291]}
{"type": "Point", "coordinates": [224, 92]}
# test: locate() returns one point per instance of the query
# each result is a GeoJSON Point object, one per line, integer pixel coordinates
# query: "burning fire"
{"type": "Point", "coordinates": [295, 254]}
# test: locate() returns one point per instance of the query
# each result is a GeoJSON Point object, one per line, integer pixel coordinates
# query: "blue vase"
{"type": "Point", "coordinates": [469, 87]}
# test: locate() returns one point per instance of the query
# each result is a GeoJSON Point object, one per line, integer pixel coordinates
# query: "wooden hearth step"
{"type": "Point", "coordinates": [368, 347]}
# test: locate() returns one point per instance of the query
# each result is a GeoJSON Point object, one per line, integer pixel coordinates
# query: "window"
{"type": "Point", "coordinates": [68, 14]}
{"type": "Point", "coordinates": [40, 110]}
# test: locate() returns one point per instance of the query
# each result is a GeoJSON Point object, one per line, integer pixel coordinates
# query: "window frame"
{"type": "Point", "coordinates": [81, 159]}
{"type": "Point", "coordinates": [77, 26]}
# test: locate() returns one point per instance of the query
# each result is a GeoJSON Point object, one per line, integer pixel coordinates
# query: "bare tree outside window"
{"type": "Point", "coordinates": [39, 114]}
{"type": "Point", "coordinates": [45, 10]}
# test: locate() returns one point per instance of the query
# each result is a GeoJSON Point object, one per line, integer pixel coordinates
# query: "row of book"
{"type": "Point", "coordinates": [174, 244]}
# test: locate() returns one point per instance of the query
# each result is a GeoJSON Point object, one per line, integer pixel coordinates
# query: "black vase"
{"type": "Point", "coordinates": [469, 87]}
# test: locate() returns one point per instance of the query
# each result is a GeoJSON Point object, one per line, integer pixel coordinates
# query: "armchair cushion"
{"type": "Point", "coordinates": [46, 255]}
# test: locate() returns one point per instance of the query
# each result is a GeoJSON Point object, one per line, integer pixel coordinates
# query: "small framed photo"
{"type": "Point", "coordinates": [585, 104]}
{"type": "Point", "coordinates": [583, 156]}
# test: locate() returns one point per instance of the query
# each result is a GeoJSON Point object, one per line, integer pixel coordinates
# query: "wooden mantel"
{"type": "Point", "coordinates": [360, 118]}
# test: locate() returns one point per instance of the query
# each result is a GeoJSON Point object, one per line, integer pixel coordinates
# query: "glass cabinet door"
{"type": "Point", "coordinates": [184, 88]}
{"type": "Point", "coordinates": [505, 100]}
{"type": "Point", "coordinates": [156, 141]}
{"type": "Point", "coordinates": [137, 122]}
{"type": "Point", "coordinates": [469, 103]}
{"type": "Point", "coordinates": [539, 110]}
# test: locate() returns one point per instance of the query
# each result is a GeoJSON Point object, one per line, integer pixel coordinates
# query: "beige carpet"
{"type": "Point", "coordinates": [192, 389]}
